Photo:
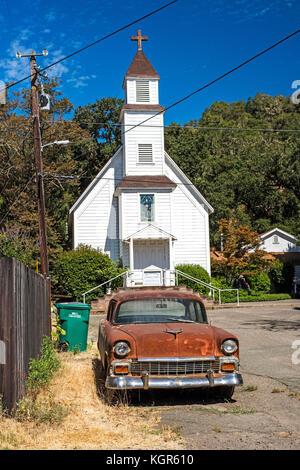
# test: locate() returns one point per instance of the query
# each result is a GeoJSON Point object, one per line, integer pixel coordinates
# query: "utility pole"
{"type": "Point", "coordinates": [39, 171]}
{"type": "Point", "coordinates": [39, 167]}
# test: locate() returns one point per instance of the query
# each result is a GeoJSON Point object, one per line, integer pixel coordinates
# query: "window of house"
{"type": "Point", "coordinates": [147, 207]}
{"type": "Point", "coordinates": [145, 153]}
{"type": "Point", "coordinates": [142, 91]}
{"type": "Point", "coordinates": [275, 239]}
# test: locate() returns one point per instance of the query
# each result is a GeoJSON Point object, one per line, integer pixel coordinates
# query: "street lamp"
{"type": "Point", "coordinates": [56, 142]}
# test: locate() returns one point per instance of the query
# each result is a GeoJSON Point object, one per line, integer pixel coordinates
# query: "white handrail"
{"type": "Point", "coordinates": [103, 283]}
{"type": "Point", "coordinates": [208, 286]}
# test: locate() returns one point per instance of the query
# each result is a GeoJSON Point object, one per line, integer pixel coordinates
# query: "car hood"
{"type": "Point", "coordinates": [174, 339]}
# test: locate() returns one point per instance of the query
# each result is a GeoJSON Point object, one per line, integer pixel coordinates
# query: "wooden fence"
{"type": "Point", "coordinates": [24, 321]}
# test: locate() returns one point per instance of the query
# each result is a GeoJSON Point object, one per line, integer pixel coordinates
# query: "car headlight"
{"type": "Point", "coordinates": [229, 346]}
{"type": "Point", "coordinates": [121, 348]}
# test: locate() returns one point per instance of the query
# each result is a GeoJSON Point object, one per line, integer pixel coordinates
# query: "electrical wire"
{"type": "Point", "coordinates": [77, 177]}
{"type": "Point", "coordinates": [179, 127]}
{"type": "Point", "coordinates": [93, 43]}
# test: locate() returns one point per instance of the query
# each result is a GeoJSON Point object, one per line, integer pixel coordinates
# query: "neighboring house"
{"type": "Point", "coordinates": [278, 241]}
{"type": "Point", "coordinates": [141, 207]}
{"type": "Point", "coordinates": [283, 245]}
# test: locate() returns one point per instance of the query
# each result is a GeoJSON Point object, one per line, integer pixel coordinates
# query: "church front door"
{"type": "Point", "coordinates": [151, 253]}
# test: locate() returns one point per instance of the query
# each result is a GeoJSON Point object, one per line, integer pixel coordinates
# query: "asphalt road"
{"type": "Point", "coordinates": [267, 334]}
{"type": "Point", "coordinates": [264, 414]}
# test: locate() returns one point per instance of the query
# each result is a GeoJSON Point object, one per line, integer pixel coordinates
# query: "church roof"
{"type": "Point", "coordinates": [144, 107]}
{"type": "Point", "coordinates": [146, 181]}
{"type": "Point", "coordinates": [141, 67]}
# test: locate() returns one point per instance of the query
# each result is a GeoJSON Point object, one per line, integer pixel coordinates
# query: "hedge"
{"type": "Point", "coordinates": [196, 271]}
{"type": "Point", "coordinates": [77, 271]}
{"type": "Point", "coordinates": [259, 297]}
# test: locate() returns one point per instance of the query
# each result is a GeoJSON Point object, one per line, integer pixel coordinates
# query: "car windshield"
{"type": "Point", "coordinates": [160, 310]}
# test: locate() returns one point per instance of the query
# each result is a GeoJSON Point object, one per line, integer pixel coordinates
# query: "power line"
{"type": "Point", "coordinates": [93, 43]}
{"type": "Point", "coordinates": [216, 79]}
{"type": "Point", "coordinates": [179, 127]}
{"type": "Point", "coordinates": [98, 178]}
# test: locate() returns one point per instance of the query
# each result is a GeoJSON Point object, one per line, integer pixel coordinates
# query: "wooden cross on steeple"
{"type": "Point", "coordinates": [139, 38]}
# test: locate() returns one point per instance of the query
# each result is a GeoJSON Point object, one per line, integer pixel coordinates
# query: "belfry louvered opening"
{"type": "Point", "coordinates": [142, 91]}
{"type": "Point", "coordinates": [145, 153]}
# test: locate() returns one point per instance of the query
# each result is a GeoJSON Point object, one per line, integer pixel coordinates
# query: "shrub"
{"type": "Point", "coordinates": [77, 271]}
{"type": "Point", "coordinates": [275, 272]}
{"type": "Point", "coordinates": [255, 297]}
{"type": "Point", "coordinates": [222, 283]}
{"type": "Point", "coordinates": [41, 370]}
{"type": "Point", "coordinates": [259, 281]}
{"type": "Point", "coordinates": [37, 407]}
{"type": "Point", "coordinates": [196, 271]}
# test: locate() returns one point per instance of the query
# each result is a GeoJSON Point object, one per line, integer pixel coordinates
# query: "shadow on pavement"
{"type": "Point", "coordinates": [274, 325]}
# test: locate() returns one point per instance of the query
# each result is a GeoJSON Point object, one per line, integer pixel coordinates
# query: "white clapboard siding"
{"type": "Point", "coordinates": [189, 222]}
{"type": "Point", "coordinates": [154, 98]}
{"type": "Point", "coordinates": [144, 135]}
{"type": "Point", "coordinates": [96, 218]}
{"type": "Point", "coordinates": [130, 91]}
{"type": "Point", "coordinates": [131, 220]}
{"type": "Point", "coordinates": [278, 243]}
{"type": "Point", "coordinates": [189, 227]}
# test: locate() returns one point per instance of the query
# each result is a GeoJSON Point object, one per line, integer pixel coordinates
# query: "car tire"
{"type": "Point", "coordinates": [225, 392]}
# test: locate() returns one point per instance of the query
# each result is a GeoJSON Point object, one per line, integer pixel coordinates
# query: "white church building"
{"type": "Point", "coordinates": [141, 208]}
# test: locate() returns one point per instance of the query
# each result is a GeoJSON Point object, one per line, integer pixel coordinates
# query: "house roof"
{"type": "Point", "coordinates": [269, 233]}
{"type": "Point", "coordinates": [146, 181]}
{"type": "Point", "coordinates": [141, 67]}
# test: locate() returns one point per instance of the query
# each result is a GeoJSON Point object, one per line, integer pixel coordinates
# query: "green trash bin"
{"type": "Point", "coordinates": [74, 320]}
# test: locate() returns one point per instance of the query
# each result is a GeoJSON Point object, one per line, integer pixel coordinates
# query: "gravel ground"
{"type": "Point", "coordinates": [264, 413]}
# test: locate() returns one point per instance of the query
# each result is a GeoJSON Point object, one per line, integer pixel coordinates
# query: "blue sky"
{"type": "Point", "coordinates": [190, 43]}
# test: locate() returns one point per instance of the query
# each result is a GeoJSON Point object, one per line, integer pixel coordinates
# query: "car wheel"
{"type": "Point", "coordinates": [225, 392]}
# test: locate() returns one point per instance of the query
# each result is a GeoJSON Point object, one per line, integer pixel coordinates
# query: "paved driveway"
{"type": "Point", "coordinates": [267, 334]}
{"type": "Point", "coordinates": [265, 412]}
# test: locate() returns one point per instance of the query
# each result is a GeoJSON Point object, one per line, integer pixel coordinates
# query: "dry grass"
{"type": "Point", "coordinates": [91, 422]}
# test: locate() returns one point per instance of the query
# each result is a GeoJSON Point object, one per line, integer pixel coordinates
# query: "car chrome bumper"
{"type": "Point", "coordinates": [146, 382]}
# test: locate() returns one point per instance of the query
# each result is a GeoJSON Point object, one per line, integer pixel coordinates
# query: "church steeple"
{"type": "Point", "coordinates": [141, 79]}
{"type": "Point", "coordinates": [143, 145]}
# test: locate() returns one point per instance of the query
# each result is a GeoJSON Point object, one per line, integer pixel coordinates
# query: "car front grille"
{"type": "Point", "coordinates": [174, 367]}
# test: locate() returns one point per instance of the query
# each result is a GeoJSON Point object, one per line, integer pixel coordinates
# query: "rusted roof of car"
{"type": "Point", "coordinates": [146, 292]}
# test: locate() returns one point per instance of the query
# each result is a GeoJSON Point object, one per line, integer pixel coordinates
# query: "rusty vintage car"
{"type": "Point", "coordinates": [160, 338]}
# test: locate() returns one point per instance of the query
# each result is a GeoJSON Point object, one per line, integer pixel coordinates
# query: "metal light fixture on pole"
{"type": "Point", "coordinates": [56, 142]}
